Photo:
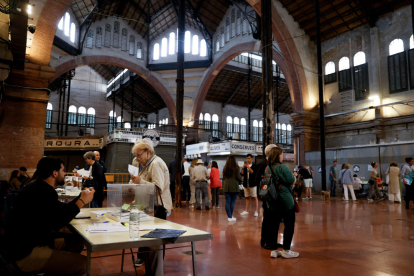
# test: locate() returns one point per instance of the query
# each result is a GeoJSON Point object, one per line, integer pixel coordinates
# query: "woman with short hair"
{"type": "Point", "coordinates": [393, 173]}
{"type": "Point", "coordinates": [347, 180]}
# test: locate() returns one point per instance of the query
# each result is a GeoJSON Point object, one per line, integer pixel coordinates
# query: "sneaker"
{"type": "Point", "coordinates": [310, 198]}
{"type": "Point", "coordinates": [355, 201]}
{"type": "Point", "coordinates": [192, 206]}
{"type": "Point", "coordinates": [214, 207]}
{"type": "Point", "coordinates": [287, 254]}
{"type": "Point", "coordinates": [244, 213]}
{"type": "Point", "coordinates": [344, 199]}
{"type": "Point", "coordinates": [207, 208]}
{"type": "Point", "coordinates": [139, 262]}
{"type": "Point", "coordinates": [233, 219]}
{"type": "Point", "coordinates": [256, 214]}
{"type": "Point", "coordinates": [275, 254]}
{"type": "Point", "coordinates": [217, 207]}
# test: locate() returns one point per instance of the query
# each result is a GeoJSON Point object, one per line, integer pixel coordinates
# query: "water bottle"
{"type": "Point", "coordinates": [134, 223]}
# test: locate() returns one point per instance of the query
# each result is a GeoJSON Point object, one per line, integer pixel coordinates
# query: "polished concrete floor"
{"type": "Point", "coordinates": [332, 237]}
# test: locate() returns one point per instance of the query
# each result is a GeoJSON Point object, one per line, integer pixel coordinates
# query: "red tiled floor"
{"type": "Point", "coordinates": [332, 237]}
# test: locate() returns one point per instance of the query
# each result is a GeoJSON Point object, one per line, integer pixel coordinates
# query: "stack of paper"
{"type": "Point", "coordinates": [83, 173]}
{"type": "Point", "coordinates": [107, 228]}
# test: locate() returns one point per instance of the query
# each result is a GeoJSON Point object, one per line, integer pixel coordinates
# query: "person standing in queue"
{"type": "Point", "coordinates": [104, 169]}
{"type": "Point", "coordinates": [186, 181]}
{"type": "Point", "coordinates": [250, 185]}
{"type": "Point", "coordinates": [284, 205]}
{"type": "Point", "coordinates": [192, 182]}
{"type": "Point", "coordinates": [200, 176]}
{"type": "Point", "coordinates": [231, 181]}
{"type": "Point", "coordinates": [406, 170]}
{"type": "Point", "coordinates": [42, 248]}
{"type": "Point", "coordinates": [154, 172]}
{"type": "Point", "coordinates": [332, 178]}
{"type": "Point", "coordinates": [94, 179]}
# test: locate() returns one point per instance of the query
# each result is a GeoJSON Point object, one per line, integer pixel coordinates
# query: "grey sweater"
{"type": "Point", "coordinates": [346, 177]}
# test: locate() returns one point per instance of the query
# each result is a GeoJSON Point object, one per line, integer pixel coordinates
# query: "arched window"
{"type": "Point", "coordinates": [200, 119]}
{"type": "Point", "coordinates": [164, 43]}
{"type": "Point", "coordinates": [171, 47]}
{"type": "Point", "coordinates": [166, 121]}
{"type": "Point", "coordinates": [119, 121]}
{"type": "Point", "coordinates": [396, 46]}
{"type": "Point", "coordinates": [245, 25]}
{"type": "Point", "coordinates": [72, 115]}
{"type": "Point", "coordinates": [81, 116]}
{"type": "Point", "coordinates": [359, 58]}
{"type": "Point", "coordinates": [260, 130]}
{"type": "Point", "coordinates": [233, 23]}
{"type": "Point", "coordinates": [284, 134]}
{"type": "Point", "coordinates": [222, 36]}
{"type": "Point", "coordinates": [329, 68]}
{"type": "Point", "coordinates": [344, 64]}
{"type": "Point", "coordinates": [98, 42]}
{"type": "Point", "coordinates": [73, 32]}
{"type": "Point", "coordinates": [89, 39]}
{"type": "Point", "coordinates": [67, 24]}
{"type": "Point", "coordinates": [243, 129]}
{"type": "Point", "coordinates": [139, 50]}
{"type": "Point", "coordinates": [278, 132]}
{"type": "Point", "coordinates": [411, 42]}
{"type": "Point", "coordinates": [217, 44]}
{"type": "Point", "coordinates": [131, 45]}
{"type": "Point", "coordinates": [127, 125]}
{"type": "Point", "coordinates": [238, 22]}
{"type": "Point", "coordinates": [107, 42]}
{"type": "Point", "coordinates": [207, 121]}
{"type": "Point", "coordinates": [203, 48]}
{"type": "Point", "coordinates": [112, 116]}
{"type": "Point", "coordinates": [49, 111]}
{"type": "Point", "coordinates": [116, 34]}
{"type": "Point", "coordinates": [229, 122]}
{"type": "Point", "coordinates": [60, 25]}
{"type": "Point", "coordinates": [289, 135]}
{"type": "Point", "coordinates": [187, 42]}
{"type": "Point", "coordinates": [90, 119]}
{"type": "Point", "coordinates": [236, 125]}
{"type": "Point", "coordinates": [195, 45]}
{"type": "Point", "coordinates": [156, 54]}
{"type": "Point", "coordinates": [215, 127]}
{"type": "Point", "coordinates": [227, 29]}
{"type": "Point", "coordinates": [255, 131]}
{"type": "Point", "coordinates": [124, 40]}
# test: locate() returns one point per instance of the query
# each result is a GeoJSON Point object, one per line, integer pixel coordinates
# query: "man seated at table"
{"type": "Point", "coordinates": [31, 232]}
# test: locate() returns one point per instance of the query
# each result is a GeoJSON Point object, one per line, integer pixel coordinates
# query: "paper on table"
{"type": "Point", "coordinates": [83, 173]}
{"type": "Point", "coordinates": [153, 227]}
{"type": "Point", "coordinates": [107, 228]}
{"type": "Point", "coordinates": [98, 212]}
{"type": "Point", "coordinates": [133, 170]}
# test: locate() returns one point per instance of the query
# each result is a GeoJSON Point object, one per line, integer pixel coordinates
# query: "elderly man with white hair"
{"type": "Point", "coordinates": [154, 172]}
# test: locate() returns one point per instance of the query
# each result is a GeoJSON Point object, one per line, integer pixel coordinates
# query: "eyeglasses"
{"type": "Point", "coordinates": [139, 155]}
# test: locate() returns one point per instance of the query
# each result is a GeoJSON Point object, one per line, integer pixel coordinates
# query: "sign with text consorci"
{"type": "Point", "coordinates": [75, 143]}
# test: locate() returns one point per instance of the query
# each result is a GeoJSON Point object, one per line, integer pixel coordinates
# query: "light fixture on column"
{"type": "Point", "coordinates": [375, 98]}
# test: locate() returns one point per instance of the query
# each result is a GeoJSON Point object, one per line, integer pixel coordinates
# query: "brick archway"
{"type": "Point", "coordinates": [144, 73]}
{"type": "Point", "coordinates": [291, 79]}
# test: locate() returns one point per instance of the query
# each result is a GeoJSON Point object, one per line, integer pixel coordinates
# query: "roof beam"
{"type": "Point", "coordinates": [240, 85]}
{"type": "Point", "coordinates": [160, 11]}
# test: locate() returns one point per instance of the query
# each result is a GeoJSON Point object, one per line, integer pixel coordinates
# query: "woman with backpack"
{"type": "Point", "coordinates": [347, 179]}
{"type": "Point", "coordinates": [284, 205]}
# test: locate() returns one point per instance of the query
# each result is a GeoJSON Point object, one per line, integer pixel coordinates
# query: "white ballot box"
{"type": "Point", "coordinates": [121, 198]}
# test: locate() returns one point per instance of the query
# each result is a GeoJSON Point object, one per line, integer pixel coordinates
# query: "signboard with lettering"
{"type": "Point", "coordinates": [75, 143]}
{"type": "Point", "coordinates": [220, 147]}
{"type": "Point", "coordinates": [243, 147]}
{"type": "Point", "coordinates": [198, 148]}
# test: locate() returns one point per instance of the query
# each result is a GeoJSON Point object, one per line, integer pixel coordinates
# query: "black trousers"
{"type": "Point", "coordinates": [271, 223]}
{"type": "Point", "coordinates": [172, 189]}
{"type": "Point", "coordinates": [408, 195]}
{"type": "Point", "coordinates": [186, 188]}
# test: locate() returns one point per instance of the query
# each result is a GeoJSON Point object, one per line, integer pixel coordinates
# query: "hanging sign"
{"type": "Point", "coordinates": [220, 147]}
{"type": "Point", "coordinates": [153, 135]}
{"type": "Point", "coordinates": [357, 168]}
{"type": "Point", "coordinates": [243, 147]}
{"type": "Point", "coordinates": [76, 143]}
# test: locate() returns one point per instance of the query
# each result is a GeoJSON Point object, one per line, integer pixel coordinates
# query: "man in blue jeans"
{"type": "Point", "coordinates": [332, 178]}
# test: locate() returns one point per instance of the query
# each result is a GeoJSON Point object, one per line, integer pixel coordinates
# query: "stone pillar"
{"type": "Point", "coordinates": [375, 65]}
{"type": "Point", "coordinates": [305, 133]}
{"type": "Point", "coordinates": [23, 118]}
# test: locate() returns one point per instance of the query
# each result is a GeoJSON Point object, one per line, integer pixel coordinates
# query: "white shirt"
{"type": "Point", "coordinates": [186, 167]}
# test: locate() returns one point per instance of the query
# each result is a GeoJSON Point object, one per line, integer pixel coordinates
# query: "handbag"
{"type": "Point", "coordinates": [268, 187]}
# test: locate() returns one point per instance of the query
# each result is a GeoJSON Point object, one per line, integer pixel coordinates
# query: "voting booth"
{"type": "Point", "coordinates": [121, 198]}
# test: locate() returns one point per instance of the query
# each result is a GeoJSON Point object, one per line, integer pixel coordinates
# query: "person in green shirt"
{"type": "Point", "coordinates": [284, 206]}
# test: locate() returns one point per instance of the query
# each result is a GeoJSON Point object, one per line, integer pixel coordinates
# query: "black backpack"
{"type": "Point", "coordinates": [269, 186]}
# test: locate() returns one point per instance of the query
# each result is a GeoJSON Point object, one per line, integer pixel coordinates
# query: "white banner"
{"type": "Point", "coordinates": [243, 147]}
{"type": "Point", "coordinates": [220, 147]}
{"type": "Point", "coordinates": [197, 148]}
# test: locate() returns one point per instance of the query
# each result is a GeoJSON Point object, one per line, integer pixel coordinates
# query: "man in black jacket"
{"type": "Point", "coordinates": [94, 179]}
{"type": "Point", "coordinates": [32, 237]}
{"type": "Point", "coordinates": [250, 186]}
{"type": "Point", "coordinates": [104, 169]}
